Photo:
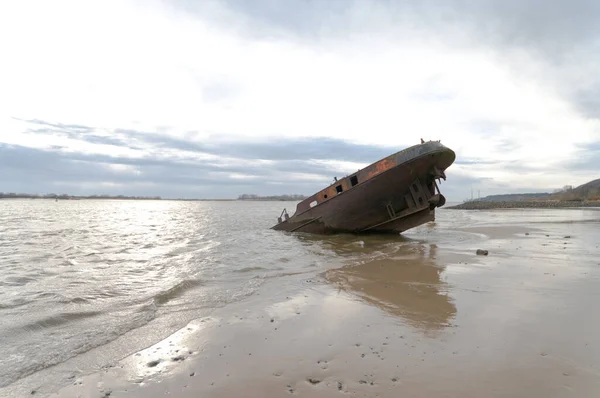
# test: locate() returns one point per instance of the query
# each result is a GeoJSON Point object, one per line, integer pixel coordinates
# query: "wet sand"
{"type": "Point", "coordinates": [414, 320]}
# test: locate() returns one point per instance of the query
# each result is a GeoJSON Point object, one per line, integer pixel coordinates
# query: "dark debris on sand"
{"type": "Point", "coordinates": [152, 364]}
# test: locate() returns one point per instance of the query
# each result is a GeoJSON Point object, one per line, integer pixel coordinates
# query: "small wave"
{"type": "Point", "coordinates": [69, 248]}
{"type": "Point", "coordinates": [250, 269]}
{"type": "Point", "coordinates": [14, 303]}
{"type": "Point", "coordinates": [47, 296]}
{"type": "Point", "coordinates": [74, 300]}
{"type": "Point", "coordinates": [95, 337]}
{"type": "Point", "coordinates": [177, 252]}
{"type": "Point", "coordinates": [284, 274]}
{"type": "Point", "coordinates": [17, 280]}
{"type": "Point", "coordinates": [137, 271]}
{"type": "Point", "coordinates": [60, 319]}
{"type": "Point", "coordinates": [176, 291]}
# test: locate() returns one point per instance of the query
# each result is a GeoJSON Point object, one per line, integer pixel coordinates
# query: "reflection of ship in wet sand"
{"type": "Point", "coordinates": [405, 283]}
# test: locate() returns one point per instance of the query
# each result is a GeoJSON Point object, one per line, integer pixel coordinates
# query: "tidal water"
{"type": "Point", "coordinates": [111, 277]}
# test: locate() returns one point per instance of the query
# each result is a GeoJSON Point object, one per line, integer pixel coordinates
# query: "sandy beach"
{"type": "Point", "coordinates": [494, 326]}
{"type": "Point", "coordinates": [418, 316]}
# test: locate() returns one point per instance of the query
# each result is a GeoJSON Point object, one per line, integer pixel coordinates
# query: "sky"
{"type": "Point", "coordinates": [213, 99]}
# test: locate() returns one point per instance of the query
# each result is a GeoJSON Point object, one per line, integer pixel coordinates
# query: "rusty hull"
{"type": "Point", "coordinates": [389, 196]}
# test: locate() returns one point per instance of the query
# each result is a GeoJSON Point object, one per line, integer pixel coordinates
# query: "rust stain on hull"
{"type": "Point", "coordinates": [391, 195]}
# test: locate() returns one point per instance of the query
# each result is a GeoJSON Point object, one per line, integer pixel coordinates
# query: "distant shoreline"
{"type": "Point", "coordinates": [75, 197]}
{"type": "Point", "coordinates": [145, 199]}
{"type": "Point", "coordinates": [550, 204]}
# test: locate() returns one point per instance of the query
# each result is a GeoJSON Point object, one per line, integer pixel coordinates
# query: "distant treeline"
{"type": "Point", "coordinates": [525, 204]}
{"type": "Point", "coordinates": [513, 197]}
{"type": "Point", "coordinates": [274, 197]}
{"type": "Point", "coordinates": [12, 195]}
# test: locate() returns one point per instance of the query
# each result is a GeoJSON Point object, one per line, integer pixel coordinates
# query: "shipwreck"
{"type": "Point", "coordinates": [391, 195]}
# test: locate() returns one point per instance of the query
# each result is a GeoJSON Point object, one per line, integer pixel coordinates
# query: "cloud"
{"type": "Point", "coordinates": [587, 100]}
{"type": "Point", "coordinates": [589, 160]}
{"type": "Point", "coordinates": [48, 170]}
{"type": "Point", "coordinates": [252, 96]}
{"type": "Point", "coordinates": [317, 148]}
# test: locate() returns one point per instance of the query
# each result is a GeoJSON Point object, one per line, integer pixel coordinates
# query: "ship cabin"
{"type": "Point", "coordinates": [338, 187]}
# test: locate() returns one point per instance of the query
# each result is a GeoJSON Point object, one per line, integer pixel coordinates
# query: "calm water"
{"type": "Point", "coordinates": [83, 275]}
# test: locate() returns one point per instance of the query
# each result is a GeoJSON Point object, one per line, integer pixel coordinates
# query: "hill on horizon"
{"type": "Point", "coordinates": [515, 197]}
{"type": "Point", "coordinates": [588, 191]}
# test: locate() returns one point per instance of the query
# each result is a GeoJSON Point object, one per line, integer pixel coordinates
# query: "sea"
{"type": "Point", "coordinates": [87, 282]}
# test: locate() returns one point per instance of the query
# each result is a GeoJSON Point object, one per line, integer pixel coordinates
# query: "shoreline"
{"type": "Point", "coordinates": [559, 204]}
{"type": "Point", "coordinates": [394, 324]}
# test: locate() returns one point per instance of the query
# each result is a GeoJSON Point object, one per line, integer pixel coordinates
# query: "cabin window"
{"type": "Point", "coordinates": [415, 187]}
{"type": "Point", "coordinates": [313, 203]}
{"type": "Point", "coordinates": [354, 180]}
{"type": "Point", "coordinates": [339, 189]}
{"type": "Point", "coordinates": [325, 196]}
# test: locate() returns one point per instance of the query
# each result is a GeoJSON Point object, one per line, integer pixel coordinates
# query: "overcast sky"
{"type": "Point", "coordinates": [212, 99]}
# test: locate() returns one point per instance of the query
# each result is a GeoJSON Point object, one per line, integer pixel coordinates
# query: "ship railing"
{"type": "Point", "coordinates": [283, 214]}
